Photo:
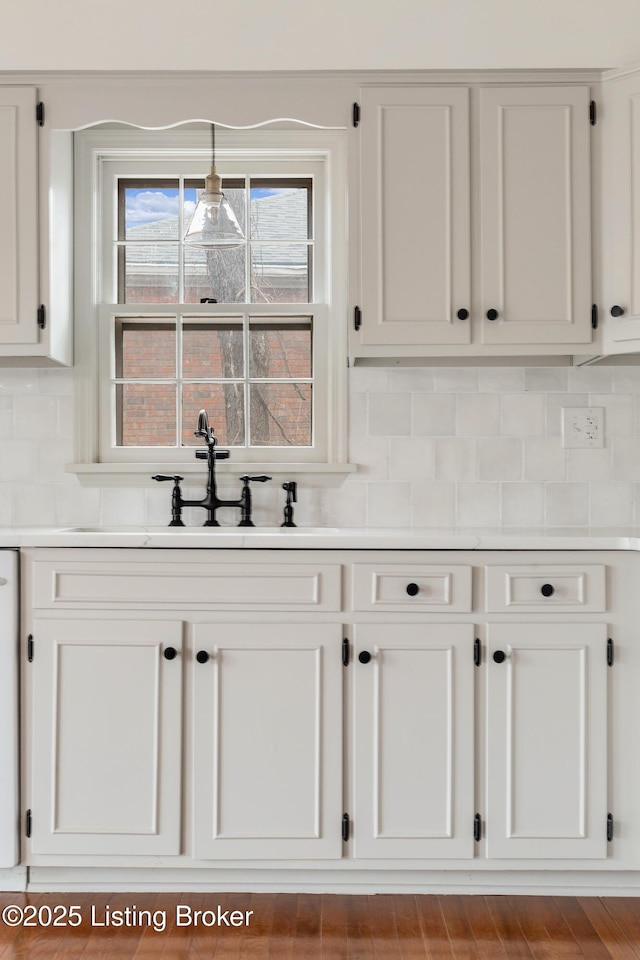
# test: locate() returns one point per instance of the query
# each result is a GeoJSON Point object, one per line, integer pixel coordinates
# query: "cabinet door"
{"type": "Point", "coordinates": [106, 715]}
{"type": "Point", "coordinates": [535, 242]}
{"type": "Point", "coordinates": [267, 723]}
{"type": "Point", "coordinates": [18, 216]}
{"type": "Point", "coordinates": [414, 734]}
{"type": "Point", "coordinates": [547, 741]}
{"type": "Point", "coordinates": [415, 227]}
{"type": "Point", "coordinates": [621, 213]}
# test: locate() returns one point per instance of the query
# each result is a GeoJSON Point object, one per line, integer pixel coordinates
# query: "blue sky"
{"type": "Point", "coordinates": [147, 206]}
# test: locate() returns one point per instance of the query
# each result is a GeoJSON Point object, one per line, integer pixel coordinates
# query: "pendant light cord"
{"type": "Point", "coordinates": [213, 144]}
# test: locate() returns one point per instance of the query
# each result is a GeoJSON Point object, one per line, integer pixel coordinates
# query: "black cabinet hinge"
{"type": "Point", "coordinates": [40, 114]}
{"type": "Point", "coordinates": [346, 824]}
{"type": "Point", "coordinates": [27, 823]}
{"type": "Point", "coordinates": [345, 652]}
{"type": "Point", "coordinates": [357, 318]}
{"type": "Point", "coordinates": [477, 827]}
{"type": "Point", "coordinates": [355, 115]}
{"type": "Point", "coordinates": [594, 316]}
{"type": "Point", "coordinates": [609, 652]}
{"type": "Point", "coordinates": [609, 827]}
{"type": "Point", "coordinates": [592, 113]}
{"type": "Point", "coordinates": [477, 652]}
{"type": "Point", "coordinates": [42, 316]}
{"type": "Point", "coordinates": [30, 648]}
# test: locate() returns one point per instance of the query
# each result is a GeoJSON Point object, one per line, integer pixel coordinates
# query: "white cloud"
{"type": "Point", "coordinates": [147, 206]}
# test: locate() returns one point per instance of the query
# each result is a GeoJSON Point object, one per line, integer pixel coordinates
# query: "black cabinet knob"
{"type": "Point", "coordinates": [617, 311]}
{"type": "Point", "coordinates": [499, 656]}
{"type": "Point", "coordinates": [492, 314]}
{"type": "Point", "coordinates": [413, 589]}
{"type": "Point", "coordinates": [202, 656]}
{"type": "Point", "coordinates": [364, 657]}
{"type": "Point", "coordinates": [463, 314]}
{"type": "Point", "coordinates": [547, 590]}
{"type": "Point", "coordinates": [170, 653]}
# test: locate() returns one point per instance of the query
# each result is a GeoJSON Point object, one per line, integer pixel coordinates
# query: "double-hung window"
{"type": "Point", "coordinates": [253, 334]}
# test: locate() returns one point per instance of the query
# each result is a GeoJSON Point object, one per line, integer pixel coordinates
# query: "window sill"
{"type": "Point", "coordinates": [139, 474]}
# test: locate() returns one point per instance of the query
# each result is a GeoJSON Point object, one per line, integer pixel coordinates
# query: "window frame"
{"type": "Point", "coordinates": [99, 154]}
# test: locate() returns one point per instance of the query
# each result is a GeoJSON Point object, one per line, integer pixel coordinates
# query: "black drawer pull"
{"type": "Point", "coordinates": [170, 653]}
{"type": "Point", "coordinates": [499, 656]}
{"type": "Point", "coordinates": [364, 657]}
{"type": "Point", "coordinates": [413, 589]}
{"type": "Point", "coordinates": [202, 656]}
{"type": "Point", "coordinates": [547, 590]}
{"type": "Point", "coordinates": [492, 314]}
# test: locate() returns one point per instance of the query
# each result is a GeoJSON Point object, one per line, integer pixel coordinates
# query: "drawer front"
{"type": "Point", "coordinates": [411, 587]}
{"type": "Point", "coordinates": [536, 588]}
{"type": "Point", "coordinates": [67, 585]}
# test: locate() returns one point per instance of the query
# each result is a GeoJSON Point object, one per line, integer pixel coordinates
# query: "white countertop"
{"type": "Point", "coordinates": [325, 538]}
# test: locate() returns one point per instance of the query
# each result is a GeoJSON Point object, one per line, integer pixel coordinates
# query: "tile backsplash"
{"type": "Point", "coordinates": [435, 446]}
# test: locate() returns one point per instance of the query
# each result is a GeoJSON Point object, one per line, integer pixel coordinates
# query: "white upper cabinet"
{"type": "Point", "coordinates": [474, 221]}
{"type": "Point", "coordinates": [36, 240]}
{"type": "Point", "coordinates": [415, 231]}
{"type": "Point", "coordinates": [621, 213]}
{"type": "Point", "coordinates": [18, 216]}
{"type": "Point", "coordinates": [535, 215]}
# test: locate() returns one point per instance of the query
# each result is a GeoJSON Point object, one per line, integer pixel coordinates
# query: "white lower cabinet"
{"type": "Point", "coordinates": [106, 750]}
{"type": "Point", "coordinates": [267, 741]}
{"type": "Point", "coordinates": [547, 741]}
{"type": "Point", "coordinates": [414, 740]}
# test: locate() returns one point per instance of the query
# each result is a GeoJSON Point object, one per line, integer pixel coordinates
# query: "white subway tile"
{"type": "Point", "coordinates": [567, 504]}
{"type": "Point", "coordinates": [35, 417]}
{"type": "Point", "coordinates": [501, 379]}
{"type": "Point", "coordinates": [590, 464]}
{"type": "Point", "coordinates": [52, 456]}
{"type": "Point", "coordinates": [611, 504]}
{"type": "Point", "coordinates": [478, 504]}
{"type": "Point", "coordinates": [433, 505]}
{"type": "Point", "coordinates": [411, 458]}
{"type": "Point", "coordinates": [455, 459]}
{"type": "Point", "coordinates": [368, 379]}
{"type": "Point", "coordinates": [591, 379]}
{"type": "Point", "coordinates": [522, 504]}
{"type": "Point", "coordinates": [434, 414]}
{"type": "Point", "coordinates": [412, 379]}
{"type": "Point", "coordinates": [456, 379]}
{"type": "Point", "coordinates": [499, 458]}
{"type": "Point", "coordinates": [18, 460]}
{"type": "Point", "coordinates": [544, 459]}
{"type": "Point", "coordinates": [6, 504]}
{"type": "Point", "coordinates": [123, 507]}
{"type": "Point", "coordinates": [34, 505]}
{"type": "Point", "coordinates": [626, 458]}
{"type": "Point", "coordinates": [18, 382]}
{"type": "Point", "coordinates": [477, 415]}
{"type": "Point", "coordinates": [626, 379]}
{"type": "Point", "coordinates": [546, 379]}
{"type": "Point", "coordinates": [77, 505]}
{"type": "Point", "coordinates": [389, 414]}
{"type": "Point", "coordinates": [523, 414]}
{"type": "Point", "coordinates": [619, 413]}
{"type": "Point", "coordinates": [6, 416]}
{"type": "Point", "coordinates": [555, 404]}
{"type": "Point", "coordinates": [346, 507]}
{"type": "Point", "coordinates": [56, 382]}
{"type": "Point", "coordinates": [388, 504]}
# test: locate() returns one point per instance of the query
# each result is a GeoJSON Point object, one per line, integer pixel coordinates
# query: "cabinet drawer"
{"type": "Point", "coordinates": [68, 584]}
{"type": "Point", "coordinates": [399, 587]}
{"type": "Point", "coordinates": [535, 588]}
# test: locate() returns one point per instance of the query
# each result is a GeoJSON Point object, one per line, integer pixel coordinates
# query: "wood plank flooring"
{"type": "Point", "coordinates": [317, 927]}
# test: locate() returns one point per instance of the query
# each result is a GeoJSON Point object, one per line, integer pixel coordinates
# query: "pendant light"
{"type": "Point", "coordinates": [214, 224]}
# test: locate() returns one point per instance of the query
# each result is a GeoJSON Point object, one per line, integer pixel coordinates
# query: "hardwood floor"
{"type": "Point", "coordinates": [239, 926]}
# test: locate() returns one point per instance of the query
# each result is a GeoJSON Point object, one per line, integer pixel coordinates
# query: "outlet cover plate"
{"type": "Point", "coordinates": [582, 427]}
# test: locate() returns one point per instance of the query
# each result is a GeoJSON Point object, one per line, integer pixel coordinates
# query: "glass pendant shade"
{"type": "Point", "coordinates": [214, 224]}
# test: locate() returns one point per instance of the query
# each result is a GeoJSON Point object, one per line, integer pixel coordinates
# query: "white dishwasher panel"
{"type": "Point", "coordinates": [9, 815]}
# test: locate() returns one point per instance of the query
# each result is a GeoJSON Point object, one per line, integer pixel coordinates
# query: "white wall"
{"type": "Point", "coordinates": [314, 35]}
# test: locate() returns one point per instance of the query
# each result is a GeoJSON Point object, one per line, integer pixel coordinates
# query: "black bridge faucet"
{"type": "Point", "coordinates": [210, 502]}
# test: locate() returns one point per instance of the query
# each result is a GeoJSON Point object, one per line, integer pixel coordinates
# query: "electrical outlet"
{"type": "Point", "coordinates": [583, 427]}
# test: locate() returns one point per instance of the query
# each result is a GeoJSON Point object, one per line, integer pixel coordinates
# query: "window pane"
{"type": "Point", "coordinates": [224, 403]}
{"type": "Point", "coordinates": [214, 273]}
{"type": "Point", "coordinates": [280, 350]}
{"type": "Point", "coordinates": [148, 209]}
{"type": "Point", "coordinates": [146, 414]}
{"type": "Point", "coordinates": [280, 414]}
{"type": "Point", "coordinates": [212, 349]}
{"type": "Point", "coordinates": [280, 210]}
{"type": "Point", "coordinates": [149, 273]}
{"type": "Point", "coordinates": [144, 349]}
{"type": "Point", "coordinates": [280, 273]}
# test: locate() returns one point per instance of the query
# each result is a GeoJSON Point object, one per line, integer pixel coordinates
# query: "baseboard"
{"type": "Point", "coordinates": [14, 879]}
{"type": "Point", "coordinates": [530, 883]}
